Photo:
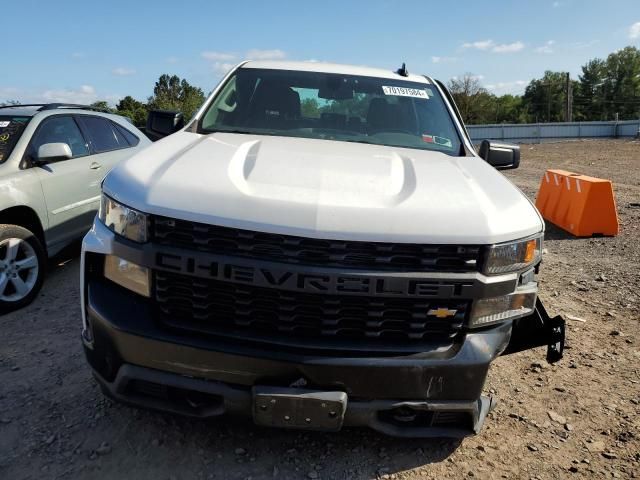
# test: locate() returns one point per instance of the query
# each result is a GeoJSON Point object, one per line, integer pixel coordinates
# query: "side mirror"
{"type": "Point", "coordinates": [50, 152]}
{"type": "Point", "coordinates": [161, 123]}
{"type": "Point", "coordinates": [502, 156]}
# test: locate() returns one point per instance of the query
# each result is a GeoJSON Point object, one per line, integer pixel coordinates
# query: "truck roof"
{"type": "Point", "coordinates": [322, 67]}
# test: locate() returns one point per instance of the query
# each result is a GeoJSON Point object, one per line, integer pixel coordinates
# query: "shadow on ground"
{"type": "Point", "coordinates": [244, 450]}
{"type": "Point", "coordinates": [552, 232]}
{"type": "Point", "coordinates": [64, 256]}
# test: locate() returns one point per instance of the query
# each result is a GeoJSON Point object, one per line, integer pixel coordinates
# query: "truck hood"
{"type": "Point", "coordinates": [324, 189]}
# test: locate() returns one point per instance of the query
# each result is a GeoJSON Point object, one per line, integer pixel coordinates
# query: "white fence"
{"type": "Point", "coordinates": [545, 132]}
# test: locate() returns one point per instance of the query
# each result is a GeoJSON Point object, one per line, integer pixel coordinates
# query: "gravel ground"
{"type": "Point", "coordinates": [578, 418]}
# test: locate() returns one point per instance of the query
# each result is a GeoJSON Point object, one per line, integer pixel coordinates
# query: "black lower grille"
{"type": "Point", "coordinates": [223, 308]}
{"type": "Point", "coordinates": [295, 250]}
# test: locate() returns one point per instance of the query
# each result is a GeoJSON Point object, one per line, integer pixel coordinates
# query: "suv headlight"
{"type": "Point", "coordinates": [513, 256]}
{"type": "Point", "coordinates": [123, 220]}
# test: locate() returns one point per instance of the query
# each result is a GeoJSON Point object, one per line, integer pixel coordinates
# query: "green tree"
{"type": "Point", "coordinates": [102, 105]}
{"type": "Point", "coordinates": [622, 83]}
{"type": "Point", "coordinates": [545, 97]}
{"type": "Point", "coordinates": [510, 109]}
{"type": "Point", "coordinates": [133, 109]}
{"type": "Point", "coordinates": [310, 108]}
{"type": "Point", "coordinates": [609, 87]}
{"type": "Point", "coordinates": [588, 98]}
{"type": "Point", "coordinates": [476, 104]}
{"type": "Point", "coordinates": [172, 93]}
{"type": "Point", "coordinates": [358, 106]}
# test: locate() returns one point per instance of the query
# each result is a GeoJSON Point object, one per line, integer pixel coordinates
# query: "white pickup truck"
{"type": "Point", "coordinates": [320, 246]}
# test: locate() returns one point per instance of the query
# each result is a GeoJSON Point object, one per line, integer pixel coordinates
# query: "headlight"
{"type": "Point", "coordinates": [513, 256]}
{"type": "Point", "coordinates": [487, 311]}
{"type": "Point", "coordinates": [123, 220]}
{"type": "Point", "coordinates": [127, 274]}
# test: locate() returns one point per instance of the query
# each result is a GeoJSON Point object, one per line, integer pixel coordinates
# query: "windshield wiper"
{"type": "Point", "coordinates": [236, 130]}
{"type": "Point", "coordinates": [360, 141]}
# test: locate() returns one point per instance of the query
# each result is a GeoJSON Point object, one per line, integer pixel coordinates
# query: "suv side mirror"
{"type": "Point", "coordinates": [161, 123]}
{"type": "Point", "coordinates": [50, 152]}
{"type": "Point", "coordinates": [502, 156]}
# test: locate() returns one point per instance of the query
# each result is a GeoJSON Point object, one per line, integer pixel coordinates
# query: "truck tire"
{"type": "Point", "coordinates": [22, 267]}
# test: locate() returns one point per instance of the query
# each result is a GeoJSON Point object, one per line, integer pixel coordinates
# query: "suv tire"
{"type": "Point", "coordinates": [22, 267]}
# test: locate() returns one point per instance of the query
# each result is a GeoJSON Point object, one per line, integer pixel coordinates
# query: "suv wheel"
{"type": "Point", "coordinates": [22, 265]}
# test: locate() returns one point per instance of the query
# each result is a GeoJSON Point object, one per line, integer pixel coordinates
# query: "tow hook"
{"type": "Point", "coordinates": [555, 348]}
{"type": "Point", "coordinates": [538, 330]}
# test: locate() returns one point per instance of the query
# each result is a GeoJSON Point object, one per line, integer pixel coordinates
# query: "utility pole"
{"type": "Point", "coordinates": [548, 102]}
{"type": "Point", "coordinates": [568, 107]}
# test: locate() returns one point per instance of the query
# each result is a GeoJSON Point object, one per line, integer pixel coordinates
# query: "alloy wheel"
{"type": "Point", "coordinates": [18, 269]}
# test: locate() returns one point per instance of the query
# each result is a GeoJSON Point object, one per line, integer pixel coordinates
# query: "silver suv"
{"type": "Point", "coordinates": [53, 158]}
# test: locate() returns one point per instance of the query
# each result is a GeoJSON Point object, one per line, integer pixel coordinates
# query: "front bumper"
{"type": "Point", "coordinates": [163, 391]}
{"type": "Point", "coordinates": [434, 392]}
{"type": "Point", "coordinates": [138, 363]}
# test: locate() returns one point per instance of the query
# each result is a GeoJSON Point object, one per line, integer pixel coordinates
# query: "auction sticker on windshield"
{"type": "Point", "coordinates": [405, 92]}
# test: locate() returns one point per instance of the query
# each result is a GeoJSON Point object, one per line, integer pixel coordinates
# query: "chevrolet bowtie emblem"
{"type": "Point", "coordinates": [442, 312]}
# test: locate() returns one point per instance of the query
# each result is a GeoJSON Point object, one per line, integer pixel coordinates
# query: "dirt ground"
{"type": "Point", "coordinates": [578, 418]}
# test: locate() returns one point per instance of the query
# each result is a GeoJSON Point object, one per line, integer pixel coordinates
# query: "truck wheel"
{"type": "Point", "coordinates": [22, 265]}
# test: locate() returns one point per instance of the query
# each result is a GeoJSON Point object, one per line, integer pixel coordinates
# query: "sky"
{"type": "Point", "coordinates": [82, 51]}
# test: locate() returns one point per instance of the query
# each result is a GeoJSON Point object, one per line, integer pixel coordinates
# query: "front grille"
{"type": "Point", "coordinates": [275, 316]}
{"type": "Point", "coordinates": [290, 249]}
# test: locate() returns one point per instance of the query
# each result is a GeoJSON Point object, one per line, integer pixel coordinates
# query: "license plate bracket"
{"type": "Point", "coordinates": [299, 409]}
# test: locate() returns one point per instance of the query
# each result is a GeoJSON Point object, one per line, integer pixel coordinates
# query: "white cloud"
{"type": "Point", "coordinates": [508, 47]}
{"type": "Point", "coordinates": [222, 67]}
{"type": "Point", "coordinates": [444, 59]}
{"type": "Point", "coordinates": [256, 54]}
{"type": "Point", "coordinates": [634, 31]}
{"type": "Point", "coordinates": [123, 71]}
{"type": "Point", "coordinates": [84, 94]}
{"type": "Point", "coordinates": [547, 47]}
{"type": "Point", "coordinates": [472, 77]}
{"type": "Point", "coordinates": [171, 59]}
{"type": "Point", "coordinates": [486, 45]}
{"type": "Point", "coordinates": [222, 59]}
{"type": "Point", "coordinates": [581, 45]}
{"type": "Point", "coordinates": [480, 45]}
{"type": "Point", "coordinates": [222, 62]}
{"type": "Point", "coordinates": [556, 4]}
{"type": "Point", "coordinates": [218, 56]}
{"type": "Point", "coordinates": [9, 93]}
{"type": "Point", "coordinates": [501, 88]}
{"type": "Point", "coordinates": [78, 55]}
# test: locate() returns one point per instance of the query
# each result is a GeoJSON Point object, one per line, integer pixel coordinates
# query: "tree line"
{"type": "Point", "coordinates": [169, 93]}
{"type": "Point", "coordinates": [605, 90]}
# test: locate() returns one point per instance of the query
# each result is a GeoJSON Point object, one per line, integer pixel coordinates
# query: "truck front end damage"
{"type": "Point", "coordinates": [309, 270]}
{"type": "Point", "coordinates": [300, 344]}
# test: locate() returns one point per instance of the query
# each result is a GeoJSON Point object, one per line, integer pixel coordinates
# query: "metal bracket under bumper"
{"type": "Point", "coordinates": [538, 330]}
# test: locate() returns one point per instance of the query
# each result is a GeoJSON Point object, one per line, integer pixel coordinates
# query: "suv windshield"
{"type": "Point", "coordinates": [333, 107]}
{"type": "Point", "coordinates": [10, 130]}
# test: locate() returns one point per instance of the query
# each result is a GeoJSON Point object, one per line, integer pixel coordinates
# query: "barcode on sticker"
{"type": "Point", "coordinates": [405, 92]}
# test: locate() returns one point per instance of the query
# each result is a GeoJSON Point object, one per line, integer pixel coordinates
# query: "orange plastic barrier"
{"type": "Point", "coordinates": [582, 205]}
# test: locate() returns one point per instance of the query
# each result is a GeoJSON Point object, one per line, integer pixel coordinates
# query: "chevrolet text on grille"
{"type": "Point", "coordinates": [308, 281]}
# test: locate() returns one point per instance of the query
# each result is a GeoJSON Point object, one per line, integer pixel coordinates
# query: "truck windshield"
{"type": "Point", "coordinates": [10, 130]}
{"type": "Point", "coordinates": [331, 106]}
